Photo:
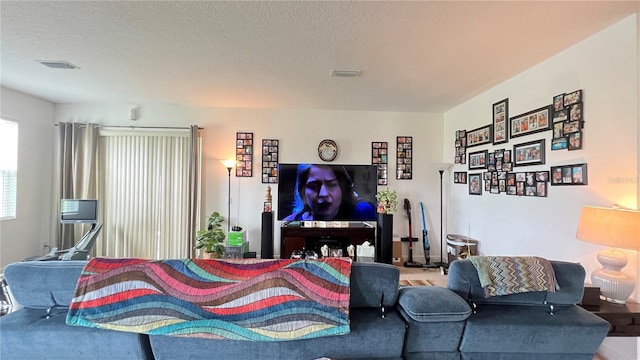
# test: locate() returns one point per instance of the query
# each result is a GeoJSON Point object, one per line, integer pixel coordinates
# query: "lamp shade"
{"type": "Point", "coordinates": [610, 227]}
{"type": "Point", "coordinates": [228, 163]}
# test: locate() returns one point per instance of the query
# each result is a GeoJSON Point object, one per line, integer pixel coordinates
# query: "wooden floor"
{"type": "Point", "coordinates": [433, 275]}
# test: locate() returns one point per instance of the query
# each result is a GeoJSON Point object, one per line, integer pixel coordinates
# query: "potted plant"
{"type": "Point", "coordinates": [211, 240]}
{"type": "Point", "coordinates": [387, 201]}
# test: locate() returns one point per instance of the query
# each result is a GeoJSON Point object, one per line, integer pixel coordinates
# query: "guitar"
{"type": "Point", "coordinates": [425, 238]}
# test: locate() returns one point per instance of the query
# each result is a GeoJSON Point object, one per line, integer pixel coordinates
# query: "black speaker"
{"type": "Point", "coordinates": [384, 239]}
{"type": "Point", "coordinates": [266, 237]}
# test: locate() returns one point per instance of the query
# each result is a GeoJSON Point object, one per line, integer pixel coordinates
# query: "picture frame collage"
{"type": "Point", "coordinates": [480, 136]}
{"type": "Point", "coordinates": [461, 147]}
{"type": "Point", "coordinates": [404, 157]}
{"type": "Point", "coordinates": [568, 121]}
{"type": "Point", "coordinates": [565, 117]}
{"type": "Point", "coordinates": [575, 174]}
{"type": "Point", "coordinates": [244, 154]}
{"type": "Point", "coordinates": [380, 158]}
{"type": "Point", "coordinates": [500, 118]}
{"type": "Point", "coordinates": [530, 122]}
{"type": "Point", "coordinates": [270, 160]}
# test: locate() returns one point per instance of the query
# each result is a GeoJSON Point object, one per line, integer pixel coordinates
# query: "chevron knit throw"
{"type": "Point", "coordinates": [505, 275]}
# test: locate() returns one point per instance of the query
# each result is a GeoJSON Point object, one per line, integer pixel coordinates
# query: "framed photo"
{"type": "Point", "coordinates": [244, 154]}
{"type": "Point", "coordinates": [478, 160]}
{"type": "Point", "coordinates": [572, 98]}
{"type": "Point", "coordinates": [380, 158]}
{"type": "Point", "coordinates": [530, 153]}
{"type": "Point", "coordinates": [500, 117]}
{"type": "Point", "coordinates": [575, 112]}
{"type": "Point", "coordinates": [460, 177]}
{"type": "Point", "coordinates": [560, 116]}
{"type": "Point", "coordinates": [267, 207]}
{"type": "Point", "coordinates": [479, 136]}
{"type": "Point", "coordinates": [404, 156]}
{"type": "Point", "coordinates": [270, 161]}
{"type": "Point", "coordinates": [569, 127]}
{"type": "Point", "coordinates": [531, 122]}
{"type": "Point", "coordinates": [575, 174]}
{"type": "Point", "coordinates": [559, 144]}
{"type": "Point", "coordinates": [575, 141]}
{"type": "Point", "coordinates": [475, 184]}
{"type": "Point", "coordinates": [558, 103]}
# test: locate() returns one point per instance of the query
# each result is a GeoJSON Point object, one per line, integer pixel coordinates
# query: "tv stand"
{"type": "Point", "coordinates": [295, 238]}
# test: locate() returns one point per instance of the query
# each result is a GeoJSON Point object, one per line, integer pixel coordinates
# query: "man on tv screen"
{"type": "Point", "coordinates": [326, 193]}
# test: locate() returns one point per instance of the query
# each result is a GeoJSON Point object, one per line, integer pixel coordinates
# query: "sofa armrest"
{"type": "Point", "coordinates": [43, 284]}
{"type": "Point", "coordinates": [432, 304]}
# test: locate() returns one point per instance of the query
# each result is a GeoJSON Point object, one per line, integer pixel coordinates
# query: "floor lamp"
{"type": "Point", "coordinates": [441, 169]}
{"type": "Point", "coordinates": [229, 164]}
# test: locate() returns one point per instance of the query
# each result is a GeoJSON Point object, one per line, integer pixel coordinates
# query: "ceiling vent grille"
{"type": "Point", "coordinates": [345, 73]}
{"type": "Point", "coordinates": [58, 64]}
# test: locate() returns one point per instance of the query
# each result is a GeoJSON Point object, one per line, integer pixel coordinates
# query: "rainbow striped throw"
{"type": "Point", "coordinates": [505, 275]}
{"type": "Point", "coordinates": [238, 299]}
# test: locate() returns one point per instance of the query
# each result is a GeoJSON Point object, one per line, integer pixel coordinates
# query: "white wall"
{"type": "Point", "coordinates": [299, 132]}
{"type": "Point", "coordinates": [606, 67]}
{"type": "Point", "coordinates": [25, 235]}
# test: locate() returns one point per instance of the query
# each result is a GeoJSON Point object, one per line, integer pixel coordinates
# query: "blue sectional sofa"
{"type": "Point", "coordinates": [386, 323]}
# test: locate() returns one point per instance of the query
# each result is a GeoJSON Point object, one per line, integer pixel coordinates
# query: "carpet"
{"type": "Point", "coordinates": [415, 283]}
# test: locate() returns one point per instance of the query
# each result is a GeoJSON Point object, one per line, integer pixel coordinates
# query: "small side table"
{"type": "Point", "coordinates": [624, 319]}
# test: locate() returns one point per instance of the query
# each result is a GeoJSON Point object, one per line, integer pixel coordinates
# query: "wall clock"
{"type": "Point", "coordinates": [327, 150]}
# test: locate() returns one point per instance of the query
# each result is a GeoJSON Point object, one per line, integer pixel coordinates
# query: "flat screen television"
{"type": "Point", "coordinates": [75, 211]}
{"type": "Point", "coordinates": [327, 192]}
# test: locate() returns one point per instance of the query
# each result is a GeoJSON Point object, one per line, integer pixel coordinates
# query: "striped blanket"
{"type": "Point", "coordinates": [505, 275]}
{"type": "Point", "coordinates": [244, 299]}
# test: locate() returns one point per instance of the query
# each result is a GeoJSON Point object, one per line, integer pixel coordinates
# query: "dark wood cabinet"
{"type": "Point", "coordinates": [624, 319]}
{"type": "Point", "coordinates": [296, 238]}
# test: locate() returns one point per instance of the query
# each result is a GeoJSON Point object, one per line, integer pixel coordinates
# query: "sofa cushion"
{"type": "Point", "coordinates": [463, 280]}
{"type": "Point", "coordinates": [27, 334]}
{"type": "Point", "coordinates": [372, 282]}
{"type": "Point", "coordinates": [433, 304]}
{"type": "Point", "coordinates": [43, 284]}
{"type": "Point", "coordinates": [531, 329]}
{"type": "Point", "coordinates": [371, 337]}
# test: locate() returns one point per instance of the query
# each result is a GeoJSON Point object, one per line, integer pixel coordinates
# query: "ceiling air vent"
{"type": "Point", "coordinates": [345, 73]}
{"type": "Point", "coordinates": [58, 64]}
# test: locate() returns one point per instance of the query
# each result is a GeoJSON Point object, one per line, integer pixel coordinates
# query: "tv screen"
{"type": "Point", "coordinates": [327, 192]}
{"type": "Point", "coordinates": [74, 211]}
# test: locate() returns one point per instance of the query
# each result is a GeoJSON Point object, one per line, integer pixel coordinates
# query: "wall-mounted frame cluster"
{"type": "Point", "coordinates": [380, 158]}
{"type": "Point", "coordinates": [404, 157]}
{"type": "Point", "coordinates": [270, 161]}
{"type": "Point", "coordinates": [568, 121]}
{"type": "Point", "coordinates": [244, 154]}
{"type": "Point", "coordinates": [565, 117]}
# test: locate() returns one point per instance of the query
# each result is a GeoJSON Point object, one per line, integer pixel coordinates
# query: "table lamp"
{"type": "Point", "coordinates": [615, 228]}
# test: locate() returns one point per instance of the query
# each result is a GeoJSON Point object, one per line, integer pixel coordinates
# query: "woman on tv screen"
{"type": "Point", "coordinates": [326, 193]}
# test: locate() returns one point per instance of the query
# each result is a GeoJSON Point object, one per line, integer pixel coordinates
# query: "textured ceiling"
{"type": "Point", "coordinates": [414, 56]}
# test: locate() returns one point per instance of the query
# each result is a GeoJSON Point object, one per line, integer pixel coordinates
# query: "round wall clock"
{"type": "Point", "coordinates": [327, 150]}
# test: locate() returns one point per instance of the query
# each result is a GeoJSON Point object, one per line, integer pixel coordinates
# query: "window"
{"type": "Point", "coordinates": [8, 168]}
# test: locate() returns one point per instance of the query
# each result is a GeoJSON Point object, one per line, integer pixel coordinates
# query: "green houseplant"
{"type": "Point", "coordinates": [387, 201]}
{"type": "Point", "coordinates": [211, 240]}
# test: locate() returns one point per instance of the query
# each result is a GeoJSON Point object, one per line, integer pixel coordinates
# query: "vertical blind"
{"type": "Point", "coordinates": [143, 182]}
{"type": "Point", "coordinates": [8, 168]}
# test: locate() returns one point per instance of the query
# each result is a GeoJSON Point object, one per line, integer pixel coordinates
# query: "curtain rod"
{"type": "Point", "coordinates": [140, 127]}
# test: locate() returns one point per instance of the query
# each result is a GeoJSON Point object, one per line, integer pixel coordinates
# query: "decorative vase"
{"type": "Point", "coordinates": [381, 207]}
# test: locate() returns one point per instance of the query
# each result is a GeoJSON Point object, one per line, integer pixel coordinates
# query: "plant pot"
{"type": "Point", "coordinates": [381, 207]}
{"type": "Point", "coordinates": [210, 255]}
